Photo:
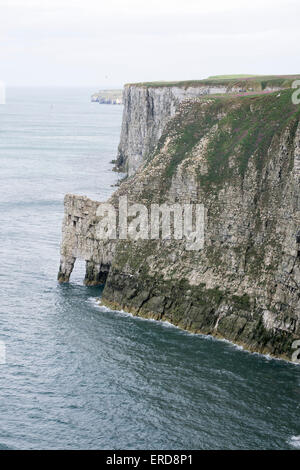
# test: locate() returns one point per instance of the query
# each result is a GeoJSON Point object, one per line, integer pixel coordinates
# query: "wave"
{"type": "Point", "coordinates": [294, 441]}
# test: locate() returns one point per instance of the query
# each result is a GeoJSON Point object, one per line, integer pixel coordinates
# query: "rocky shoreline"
{"type": "Point", "coordinates": [115, 307]}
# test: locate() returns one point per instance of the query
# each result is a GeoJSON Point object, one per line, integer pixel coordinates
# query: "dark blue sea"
{"type": "Point", "coordinates": [78, 376]}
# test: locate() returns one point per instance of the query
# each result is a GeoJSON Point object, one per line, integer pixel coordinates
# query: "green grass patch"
{"type": "Point", "coordinates": [254, 82]}
{"type": "Point", "coordinates": [231, 77]}
{"type": "Point", "coordinates": [248, 130]}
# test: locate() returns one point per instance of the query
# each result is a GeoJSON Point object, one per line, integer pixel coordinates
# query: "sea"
{"type": "Point", "coordinates": [75, 375]}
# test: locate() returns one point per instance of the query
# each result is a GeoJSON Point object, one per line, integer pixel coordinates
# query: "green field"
{"type": "Point", "coordinates": [246, 82]}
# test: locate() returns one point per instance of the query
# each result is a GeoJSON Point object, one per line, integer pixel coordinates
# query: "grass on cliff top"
{"type": "Point", "coordinates": [255, 82]}
{"type": "Point", "coordinates": [230, 77]}
{"type": "Point", "coordinates": [246, 128]}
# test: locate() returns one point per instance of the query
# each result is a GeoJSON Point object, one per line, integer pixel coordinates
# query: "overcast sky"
{"type": "Point", "coordinates": [108, 43]}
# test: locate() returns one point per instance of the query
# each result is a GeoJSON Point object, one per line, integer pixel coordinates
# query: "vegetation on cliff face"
{"type": "Point", "coordinates": [248, 131]}
{"type": "Point", "coordinates": [246, 126]}
{"type": "Point", "coordinates": [187, 129]}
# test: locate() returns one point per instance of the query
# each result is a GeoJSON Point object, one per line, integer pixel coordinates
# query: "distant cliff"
{"type": "Point", "coordinates": [149, 106]}
{"type": "Point", "coordinates": [240, 157]}
{"type": "Point", "coordinates": [107, 97]}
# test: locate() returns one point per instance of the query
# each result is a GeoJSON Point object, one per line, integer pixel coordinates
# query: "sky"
{"type": "Point", "coordinates": [108, 43]}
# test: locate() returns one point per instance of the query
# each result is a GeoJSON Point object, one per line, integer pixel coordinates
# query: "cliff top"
{"type": "Point", "coordinates": [256, 82]}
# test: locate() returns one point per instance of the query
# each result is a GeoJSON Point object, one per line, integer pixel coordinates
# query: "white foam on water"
{"type": "Point", "coordinates": [294, 441]}
{"type": "Point", "coordinates": [235, 346]}
{"type": "Point", "coordinates": [96, 302]}
{"type": "Point", "coordinates": [167, 324]}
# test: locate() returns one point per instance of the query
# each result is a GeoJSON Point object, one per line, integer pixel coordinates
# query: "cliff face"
{"type": "Point", "coordinates": [240, 157]}
{"type": "Point", "coordinates": [146, 112]}
{"type": "Point", "coordinates": [148, 107]}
